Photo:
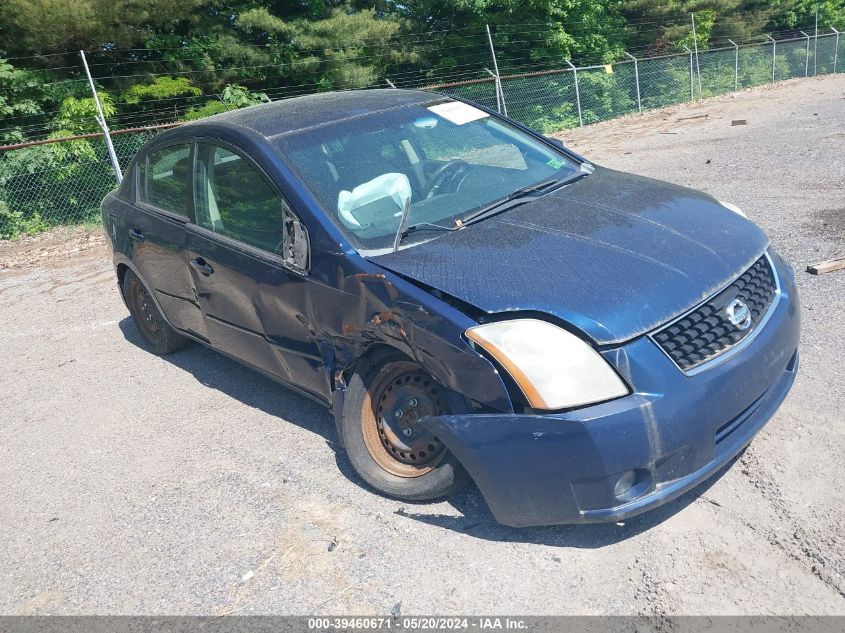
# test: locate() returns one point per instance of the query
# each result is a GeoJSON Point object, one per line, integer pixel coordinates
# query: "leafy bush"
{"type": "Point", "coordinates": [232, 98]}
{"type": "Point", "coordinates": [14, 224]}
{"type": "Point", "coordinates": [160, 88]}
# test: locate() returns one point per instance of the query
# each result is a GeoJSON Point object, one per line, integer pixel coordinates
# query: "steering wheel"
{"type": "Point", "coordinates": [446, 173]}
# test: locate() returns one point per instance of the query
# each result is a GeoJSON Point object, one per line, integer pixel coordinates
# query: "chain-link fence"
{"type": "Point", "coordinates": [45, 183]}
{"type": "Point", "coordinates": [60, 182]}
{"type": "Point", "coordinates": [567, 97]}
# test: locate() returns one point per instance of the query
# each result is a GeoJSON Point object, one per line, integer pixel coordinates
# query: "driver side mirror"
{"type": "Point", "coordinates": [295, 249]}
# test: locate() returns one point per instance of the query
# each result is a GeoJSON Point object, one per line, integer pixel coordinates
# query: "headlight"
{"type": "Point", "coordinates": [733, 207]}
{"type": "Point", "coordinates": [554, 369]}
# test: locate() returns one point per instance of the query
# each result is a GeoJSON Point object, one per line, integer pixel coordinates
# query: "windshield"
{"type": "Point", "coordinates": [445, 160]}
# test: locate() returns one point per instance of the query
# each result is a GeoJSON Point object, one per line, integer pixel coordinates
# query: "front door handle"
{"type": "Point", "coordinates": [136, 235]}
{"type": "Point", "coordinates": [201, 265]}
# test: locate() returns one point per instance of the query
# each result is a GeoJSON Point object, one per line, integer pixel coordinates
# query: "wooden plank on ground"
{"type": "Point", "coordinates": [827, 266]}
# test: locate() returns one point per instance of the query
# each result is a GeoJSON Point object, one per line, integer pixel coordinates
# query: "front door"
{"type": "Point", "coordinates": [248, 257]}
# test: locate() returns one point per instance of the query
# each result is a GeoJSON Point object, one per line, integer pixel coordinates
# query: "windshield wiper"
{"type": "Point", "coordinates": [423, 226]}
{"type": "Point", "coordinates": [403, 221]}
{"type": "Point", "coordinates": [404, 230]}
{"type": "Point", "coordinates": [520, 196]}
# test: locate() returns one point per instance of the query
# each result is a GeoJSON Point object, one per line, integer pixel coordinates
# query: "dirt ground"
{"type": "Point", "coordinates": [187, 484]}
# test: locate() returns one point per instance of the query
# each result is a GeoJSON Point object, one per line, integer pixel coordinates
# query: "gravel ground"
{"type": "Point", "coordinates": [136, 484]}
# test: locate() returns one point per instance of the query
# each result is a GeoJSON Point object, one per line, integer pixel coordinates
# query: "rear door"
{"type": "Point", "coordinates": [155, 224]}
{"type": "Point", "coordinates": [248, 257]}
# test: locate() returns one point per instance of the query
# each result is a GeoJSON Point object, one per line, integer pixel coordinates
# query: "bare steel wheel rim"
{"type": "Point", "coordinates": [398, 400]}
{"type": "Point", "coordinates": [146, 310]}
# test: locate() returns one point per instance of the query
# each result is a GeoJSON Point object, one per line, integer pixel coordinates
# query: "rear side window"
{"type": "Point", "coordinates": [164, 178]}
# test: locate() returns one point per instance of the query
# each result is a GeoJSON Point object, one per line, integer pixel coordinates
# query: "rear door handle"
{"type": "Point", "coordinates": [136, 235]}
{"type": "Point", "coordinates": [201, 265]}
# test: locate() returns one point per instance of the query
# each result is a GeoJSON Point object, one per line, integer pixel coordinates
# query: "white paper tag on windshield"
{"type": "Point", "coordinates": [458, 112]}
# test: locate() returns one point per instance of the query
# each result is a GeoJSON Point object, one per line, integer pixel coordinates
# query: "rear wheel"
{"type": "Point", "coordinates": [383, 436]}
{"type": "Point", "coordinates": [158, 336]}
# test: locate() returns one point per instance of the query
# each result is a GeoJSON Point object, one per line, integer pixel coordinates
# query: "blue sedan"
{"type": "Point", "coordinates": [472, 299]}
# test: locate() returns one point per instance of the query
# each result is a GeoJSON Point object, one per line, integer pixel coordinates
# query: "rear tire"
{"type": "Point", "coordinates": [380, 430]}
{"type": "Point", "coordinates": [157, 335]}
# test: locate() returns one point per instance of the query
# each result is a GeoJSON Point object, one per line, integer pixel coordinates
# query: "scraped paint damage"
{"type": "Point", "coordinates": [363, 311]}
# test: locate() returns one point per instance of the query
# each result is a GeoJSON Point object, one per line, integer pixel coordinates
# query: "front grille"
{"type": "Point", "coordinates": [706, 332]}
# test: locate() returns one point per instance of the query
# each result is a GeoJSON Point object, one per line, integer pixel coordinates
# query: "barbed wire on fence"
{"type": "Point", "coordinates": [48, 181]}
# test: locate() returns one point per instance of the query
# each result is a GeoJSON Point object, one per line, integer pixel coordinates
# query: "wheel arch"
{"type": "Point", "coordinates": [374, 356]}
{"type": "Point", "coordinates": [121, 273]}
{"type": "Point", "coordinates": [122, 266]}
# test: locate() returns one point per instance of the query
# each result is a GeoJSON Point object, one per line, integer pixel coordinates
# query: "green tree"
{"type": "Point", "coordinates": [24, 99]}
{"type": "Point", "coordinates": [46, 26]}
{"type": "Point", "coordinates": [232, 98]}
{"type": "Point", "coordinates": [658, 25]}
{"type": "Point", "coordinates": [803, 14]}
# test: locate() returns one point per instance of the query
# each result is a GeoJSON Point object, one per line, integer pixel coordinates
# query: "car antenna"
{"type": "Point", "coordinates": [403, 222]}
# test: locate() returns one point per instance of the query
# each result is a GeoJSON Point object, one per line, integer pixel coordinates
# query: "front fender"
{"type": "Point", "coordinates": [375, 308]}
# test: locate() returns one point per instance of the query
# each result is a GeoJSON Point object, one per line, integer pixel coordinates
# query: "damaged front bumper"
{"type": "Point", "coordinates": [671, 434]}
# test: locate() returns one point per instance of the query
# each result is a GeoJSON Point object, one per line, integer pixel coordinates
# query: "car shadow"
{"type": "Point", "coordinates": [216, 371]}
{"type": "Point", "coordinates": [219, 372]}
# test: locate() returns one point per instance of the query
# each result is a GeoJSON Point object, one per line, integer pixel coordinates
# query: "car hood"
{"type": "Point", "coordinates": [613, 254]}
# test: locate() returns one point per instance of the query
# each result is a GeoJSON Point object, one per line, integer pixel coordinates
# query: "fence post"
{"type": "Point", "coordinates": [637, 79]}
{"type": "Point", "coordinates": [498, 87]}
{"type": "Point", "coordinates": [736, 65]}
{"type": "Point", "coordinates": [500, 96]}
{"type": "Point", "coordinates": [807, 57]}
{"type": "Point", "coordinates": [691, 85]}
{"type": "Point", "coordinates": [774, 55]}
{"type": "Point", "coordinates": [816, 44]}
{"type": "Point", "coordinates": [835, 48]}
{"type": "Point", "coordinates": [101, 120]}
{"type": "Point", "coordinates": [695, 45]}
{"type": "Point", "coordinates": [577, 94]}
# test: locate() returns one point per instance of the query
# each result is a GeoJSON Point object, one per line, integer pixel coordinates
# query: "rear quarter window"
{"type": "Point", "coordinates": [163, 178]}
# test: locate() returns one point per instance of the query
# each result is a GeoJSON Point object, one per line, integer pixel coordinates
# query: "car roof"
{"type": "Point", "coordinates": [292, 115]}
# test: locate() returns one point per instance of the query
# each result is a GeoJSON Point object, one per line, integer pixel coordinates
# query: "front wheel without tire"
{"type": "Point", "coordinates": [157, 334]}
{"type": "Point", "coordinates": [384, 439]}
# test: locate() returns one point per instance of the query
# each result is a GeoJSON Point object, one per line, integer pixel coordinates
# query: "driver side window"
{"type": "Point", "coordinates": [232, 198]}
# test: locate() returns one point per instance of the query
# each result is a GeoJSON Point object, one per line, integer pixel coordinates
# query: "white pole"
{"type": "Point", "coordinates": [816, 44]}
{"type": "Point", "coordinates": [500, 97]}
{"type": "Point", "coordinates": [101, 120]}
{"type": "Point", "coordinates": [807, 56]}
{"type": "Point", "coordinates": [695, 44]}
{"type": "Point", "coordinates": [637, 79]}
{"type": "Point", "coordinates": [736, 65]}
{"type": "Point", "coordinates": [774, 55]}
{"type": "Point", "coordinates": [835, 48]}
{"type": "Point", "coordinates": [498, 87]}
{"type": "Point", "coordinates": [577, 94]}
{"type": "Point", "coordinates": [390, 83]}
